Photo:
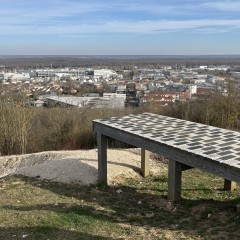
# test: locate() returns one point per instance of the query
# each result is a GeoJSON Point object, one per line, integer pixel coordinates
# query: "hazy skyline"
{"type": "Point", "coordinates": [98, 27]}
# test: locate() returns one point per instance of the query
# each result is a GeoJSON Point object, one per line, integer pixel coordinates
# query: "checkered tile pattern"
{"type": "Point", "coordinates": [213, 143]}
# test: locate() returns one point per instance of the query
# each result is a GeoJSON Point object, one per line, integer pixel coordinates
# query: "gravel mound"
{"type": "Point", "coordinates": [76, 166]}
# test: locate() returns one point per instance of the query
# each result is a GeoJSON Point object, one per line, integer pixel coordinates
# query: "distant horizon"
{"type": "Point", "coordinates": [124, 55]}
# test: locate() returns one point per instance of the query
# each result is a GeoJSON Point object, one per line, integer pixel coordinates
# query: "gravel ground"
{"type": "Point", "coordinates": [76, 166]}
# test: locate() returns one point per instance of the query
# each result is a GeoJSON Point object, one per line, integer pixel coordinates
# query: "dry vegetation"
{"type": "Point", "coordinates": [26, 129]}
{"type": "Point", "coordinates": [218, 110]}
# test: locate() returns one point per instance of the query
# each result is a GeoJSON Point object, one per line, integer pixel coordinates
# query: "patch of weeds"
{"type": "Point", "coordinates": [214, 232]}
{"type": "Point", "coordinates": [80, 218]}
{"type": "Point", "coordinates": [162, 178]}
{"type": "Point", "coordinates": [206, 213]}
{"type": "Point", "coordinates": [134, 218]}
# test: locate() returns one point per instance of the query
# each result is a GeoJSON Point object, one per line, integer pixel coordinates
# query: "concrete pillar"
{"type": "Point", "coordinates": [102, 159]}
{"type": "Point", "coordinates": [145, 156]}
{"type": "Point", "coordinates": [174, 180]}
{"type": "Point", "coordinates": [229, 185]}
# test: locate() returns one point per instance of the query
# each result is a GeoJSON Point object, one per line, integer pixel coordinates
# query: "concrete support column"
{"type": "Point", "coordinates": [229, 185]}
{"type": "Point", "coordinates": [174, 180]}
{"type": "Point", "coordinates": [102, 159]}
{"type": "Point", "coordinates": [145, 156]}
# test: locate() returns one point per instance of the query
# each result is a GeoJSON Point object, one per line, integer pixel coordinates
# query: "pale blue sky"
{"type": "Point", "coordinates": [84, 27]}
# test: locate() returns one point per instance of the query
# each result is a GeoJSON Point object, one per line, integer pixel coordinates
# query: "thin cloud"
{"type": "Point", "coordinates": [224, 6]}
{"type": "Point", "coordinates": [48, 12]}
{"type": "Point", "coordinates": [136, 27]}
{"type": "Point", "coordinates": [78, 17]}
{"type": "Point", "coordinates": [34, 11]}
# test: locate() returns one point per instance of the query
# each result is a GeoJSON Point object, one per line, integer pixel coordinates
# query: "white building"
{"type": "Point", "coordinates": [104, 73]}
{"type": "Point", "coordinates": [93, 102]}
{"type": "Point", "coordinates": [16, 76]}
{"type": "Point", "coordinates": [193, 89]}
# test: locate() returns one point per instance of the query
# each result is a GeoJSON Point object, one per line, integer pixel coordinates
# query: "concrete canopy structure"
{"type": "Point", "coordinates": [186, 144]}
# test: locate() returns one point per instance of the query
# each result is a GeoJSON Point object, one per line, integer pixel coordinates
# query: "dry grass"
{"type": "Point", "coordinates": [32, 209]}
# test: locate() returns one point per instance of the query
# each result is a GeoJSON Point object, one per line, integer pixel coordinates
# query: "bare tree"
{"type": "Point", "coordinates": [15, 120]}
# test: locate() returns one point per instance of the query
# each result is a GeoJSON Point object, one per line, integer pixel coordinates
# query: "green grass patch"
{"type": "Point", "coordinates": [32, 209]}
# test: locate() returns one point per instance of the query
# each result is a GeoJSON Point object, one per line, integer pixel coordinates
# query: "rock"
{"type": "Point", "coordinates": [119, 191]}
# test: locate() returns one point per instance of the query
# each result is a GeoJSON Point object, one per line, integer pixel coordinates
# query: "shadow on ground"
{"type": "Point", "coordinates": [133, 206]}
{"type": "Point", "coordinates": [39, 233]}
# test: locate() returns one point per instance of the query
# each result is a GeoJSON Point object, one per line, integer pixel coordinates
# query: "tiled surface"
{"type": "Point", "coordinates": [214, 143]}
